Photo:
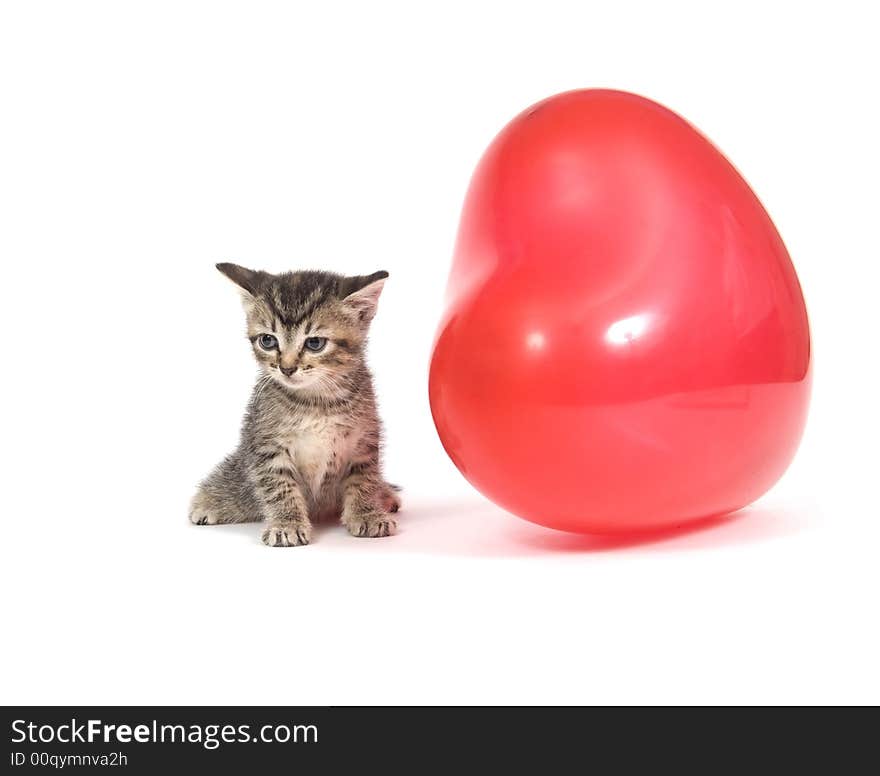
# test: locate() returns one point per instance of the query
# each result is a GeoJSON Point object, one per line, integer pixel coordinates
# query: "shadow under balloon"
{"type": "Point", "coordinates": [469, 529]}
{"type": "Point", "coordinates": [479, 529]}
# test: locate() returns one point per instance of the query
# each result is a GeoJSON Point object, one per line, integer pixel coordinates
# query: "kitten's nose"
{"type": "Point", "coordinates": [287, 370]}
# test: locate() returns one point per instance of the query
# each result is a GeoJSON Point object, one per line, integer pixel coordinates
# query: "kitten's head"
{"type": "Point", "coordinates": [308, 329]}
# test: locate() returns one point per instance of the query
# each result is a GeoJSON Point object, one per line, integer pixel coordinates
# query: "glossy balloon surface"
{"type": "Point", "coordinates": [625, 344]}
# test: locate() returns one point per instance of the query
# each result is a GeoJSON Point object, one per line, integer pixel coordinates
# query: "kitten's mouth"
{"type": "Point", "coordinates": [292, 381]}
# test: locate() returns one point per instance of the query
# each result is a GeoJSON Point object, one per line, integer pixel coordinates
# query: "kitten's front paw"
{"type": "Point", "coordinates": [371, 525]}
{"type": "Point", "coordinates": [287, 534]}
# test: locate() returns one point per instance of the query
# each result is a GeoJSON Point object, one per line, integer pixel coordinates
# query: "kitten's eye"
{"type": "Point", "coordinates": [316, 344]}
{"type": "Point", "coordinates": [268, 341]}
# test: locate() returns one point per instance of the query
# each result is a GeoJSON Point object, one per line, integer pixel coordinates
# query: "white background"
{"type": "Point", "coordinates": [142, 142]}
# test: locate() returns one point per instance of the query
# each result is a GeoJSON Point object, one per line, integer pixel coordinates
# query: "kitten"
{"type": "Point", "coordinates": [310, 441]}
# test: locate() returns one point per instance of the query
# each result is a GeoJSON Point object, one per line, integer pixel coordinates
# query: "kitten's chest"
{"type": "Point", "coordinates": [321, 450]}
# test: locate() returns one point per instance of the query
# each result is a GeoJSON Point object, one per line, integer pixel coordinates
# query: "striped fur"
{"type": "Point", "coordinates": [311, 438]}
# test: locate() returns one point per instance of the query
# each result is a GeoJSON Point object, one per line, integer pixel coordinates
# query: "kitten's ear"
{"type": "Point", "coordinates": [246, 279]}
{"type": "Point", "coordinates": [361, 293]}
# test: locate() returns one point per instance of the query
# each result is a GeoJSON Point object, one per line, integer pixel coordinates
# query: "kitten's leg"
{"type": "Point", "coordinates": [226, 496]}
{"type": "Point", "coordinates": [285, 506]}
{"type": "Point", "coordinates": [364, 498]}
{"type": "Point", "coordinates": [389, 497]}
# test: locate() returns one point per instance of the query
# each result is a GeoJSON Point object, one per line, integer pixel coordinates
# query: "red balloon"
{"type": "Point", "coordinates": [625, 344]}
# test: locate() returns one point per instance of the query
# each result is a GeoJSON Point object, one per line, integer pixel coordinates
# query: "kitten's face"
{"type": "Point", "coordinates": [307, 329]}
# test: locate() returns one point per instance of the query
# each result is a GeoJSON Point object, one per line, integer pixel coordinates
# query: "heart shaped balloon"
{"type": "Point", "coordinates": [625, 344]}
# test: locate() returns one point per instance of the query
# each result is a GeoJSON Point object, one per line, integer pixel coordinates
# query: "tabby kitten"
{"type": "Point", "coordinates": [310, 441]}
